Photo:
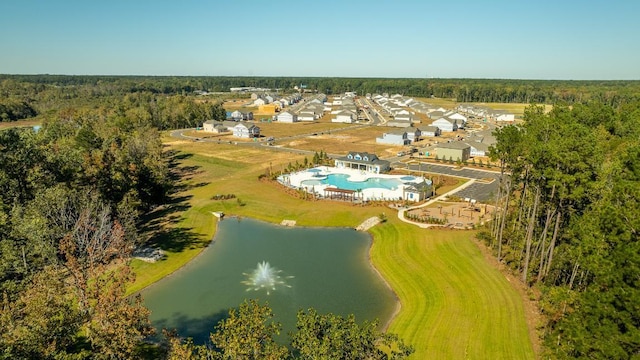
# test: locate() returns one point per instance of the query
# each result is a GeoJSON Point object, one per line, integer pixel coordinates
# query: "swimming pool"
{"type": "Point", "coordinates": [342, 181]}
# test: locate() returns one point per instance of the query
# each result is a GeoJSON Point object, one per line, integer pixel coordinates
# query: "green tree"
{"type": "Point", "coordinates": [248, 333]}
{"type": "Point", "coordinates": [334, 337]}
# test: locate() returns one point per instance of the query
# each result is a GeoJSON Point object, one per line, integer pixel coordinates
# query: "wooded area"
{"type": "Point", "coordinates": [569, 220]}
{"type": "Point", "coordinates": [72, 194]}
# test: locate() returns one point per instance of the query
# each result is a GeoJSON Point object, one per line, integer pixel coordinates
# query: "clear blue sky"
{"type": "Point", "coordinates": [518, 39]}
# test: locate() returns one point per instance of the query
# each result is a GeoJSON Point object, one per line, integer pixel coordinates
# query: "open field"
{"type": "Point", "coordinates": [454, 304]}
{"type": "Point", "coordinates": [516, 108]}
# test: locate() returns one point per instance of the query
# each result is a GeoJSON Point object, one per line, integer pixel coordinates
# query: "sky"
{"type": "Point", "coordinates": [505, 39]}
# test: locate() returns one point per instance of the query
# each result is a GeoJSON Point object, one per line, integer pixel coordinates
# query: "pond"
{"type": "Point", "coordinates": [324, 268]}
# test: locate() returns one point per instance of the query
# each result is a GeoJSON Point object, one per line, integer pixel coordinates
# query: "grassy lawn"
{"type": "Point", "coordinates": [454, 304]}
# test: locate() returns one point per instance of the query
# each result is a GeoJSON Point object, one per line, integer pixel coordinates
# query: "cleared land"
{"type": "Point", "coordinates": [454, 304]}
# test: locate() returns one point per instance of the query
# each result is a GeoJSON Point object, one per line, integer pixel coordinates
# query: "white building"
{"type": "Point", "coordinates": [445, 125]}
{"type": "Point", "coordinates": [344, 116]}
{"type": "Point", "coordinates": [287, 117]}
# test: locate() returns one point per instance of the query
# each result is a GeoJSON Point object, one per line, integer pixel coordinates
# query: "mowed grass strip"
{"type": "Point", "coordinates": [454, 304]}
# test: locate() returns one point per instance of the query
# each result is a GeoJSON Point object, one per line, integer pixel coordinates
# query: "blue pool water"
{"type": "Point", "coordinates": [342, 181]}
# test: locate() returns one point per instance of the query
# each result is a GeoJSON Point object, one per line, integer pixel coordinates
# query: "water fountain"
{"type": "Point", "coordinates": [265, 277]}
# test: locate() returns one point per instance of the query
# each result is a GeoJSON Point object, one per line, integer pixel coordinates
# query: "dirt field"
{"type": "Point", "coordinates": [460, 215]}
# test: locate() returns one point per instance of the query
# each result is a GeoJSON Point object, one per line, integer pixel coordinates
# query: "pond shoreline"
{"type": "Point", "coordinates": [395, 307]}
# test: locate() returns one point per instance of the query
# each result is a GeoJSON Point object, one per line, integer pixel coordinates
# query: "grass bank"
{"type": "Point", "coordinates": [454, 304]}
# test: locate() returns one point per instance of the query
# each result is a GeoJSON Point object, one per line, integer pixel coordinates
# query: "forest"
{"type": "Point", "coordinates": [46, 92]}
{"type": "Point", "coordinates": [569, 223]}
{"type": "Point", "coordinates": [72, 196]}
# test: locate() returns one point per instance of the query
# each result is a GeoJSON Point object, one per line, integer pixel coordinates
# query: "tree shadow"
{"type": "Point", "coordinates": [187, 327]}
{"type": "Point", "coordinates": [175, 239]}
{"type": "Point", "coordinates": [159, 225]}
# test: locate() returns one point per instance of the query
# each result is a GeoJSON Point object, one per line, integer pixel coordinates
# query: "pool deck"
{"type": "Point", "coordinates": [295, 180]}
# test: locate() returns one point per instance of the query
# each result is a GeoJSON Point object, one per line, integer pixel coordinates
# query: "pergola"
{"type": "Point", "coordinates": [340, 194]}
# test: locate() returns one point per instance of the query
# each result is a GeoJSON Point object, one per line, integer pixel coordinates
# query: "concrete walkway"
{"type": "Point", "coordinates": [439, 198]}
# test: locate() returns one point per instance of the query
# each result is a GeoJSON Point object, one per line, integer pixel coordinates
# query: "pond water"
{"type": "Point", "coordinates": [324, 268]}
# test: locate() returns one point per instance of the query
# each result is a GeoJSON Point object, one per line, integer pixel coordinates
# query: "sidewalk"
{"type": "Point", "coordinates": [439, 198]}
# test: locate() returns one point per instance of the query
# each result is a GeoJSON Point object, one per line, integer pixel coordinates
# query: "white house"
{"type": "Point", "coordinates": [435, 114]}
{"type": "Point", "coordinates": [403, 123]}
{"type": "Point", "coordinates": [413, 134]}
{"type": "Point", "coordinates": [404, 117]}
{"type": "Point", "coordinates": [429, 131]}
{"type": "Point", "coordinates": [287, 117]}
{"type": "Point", "coordinates": [344, 116]}
{"type": "Point", "coordinates": [244, 130]}
{"type": "Point", "coordinates": [398, 137]}
{"type": "Point", "coordinates": [307, 115]}
{"type": "Point", "coordinates": [478, 148]}
{"type": "Point", "coordinates": [237, 115]}
{"type": "Point", "coordinates": [259, 101]}
{"type": "Point", "coordinates": [502, 115]}
{"type": "Point", "coordinates": [445, 125]}
{"type": "Point", "coordinates": [456, 116]}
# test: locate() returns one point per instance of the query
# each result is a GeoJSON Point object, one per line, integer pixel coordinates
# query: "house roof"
{"type": "Point", "coordinates": [418, 187]}
{"type": "Point", "coordinates": [397, 132]}
{"type": "Point", "coordinates": [478, 145]}
{"type": "Point", "coordinates": [458, 145]}
{"type": "Point", "coordinates": [429, 128]}
{"type": "Point", "coordinates": [372, 158]}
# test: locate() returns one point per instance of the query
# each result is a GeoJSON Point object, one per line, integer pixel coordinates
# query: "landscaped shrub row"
{"type": "Point", "coordinates": [426, 219]}
{"type": "Point", "coordinates": [223, 196]}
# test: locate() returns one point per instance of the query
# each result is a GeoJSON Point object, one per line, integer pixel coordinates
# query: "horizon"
{"type": "Point", "coordinates": [408, 39]}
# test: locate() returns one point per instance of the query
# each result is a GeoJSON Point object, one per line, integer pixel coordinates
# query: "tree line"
{"type": "Point", "coordinates": [64, 87]}
{"type": "Point", "coordinates": [568, 220]}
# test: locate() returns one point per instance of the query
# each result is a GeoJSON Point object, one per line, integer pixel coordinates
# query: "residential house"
{"type": "Point", "coordinates": [363, 161]}
{"type": "Point", "coordinates": [307, 115]}
{"type": "Point", "coordinates": [344, 116]}
{"type": "Point", "coordinates": [259, 102]}
{"type": "Point", "coordinates": [416, 191]}
{"type": "Point", "coordinates": [461, 119]}
{"type": "Point", "coordinates": [213, 126]}
{"type": "Point", "coordinates": [435, 114]}
{"type": "Point", "coordinates": [477, 148]}
{"type": "Point", "coordinates": [445, 125]}
{"type": "Point", "coordinates": [413, 134]}
{"type": "Point", "coordinates": [267, 108]}
{"type": "Point", "coordinates": [429, 131]}
{"type": "Point", "coordinates": [287, 117]}
{"type": "Point", "coordinates": [397, 137]}
{"type": "Point", "coordinates": [503, 116]}
{"type": "Point", "coordinates": [245, 130]}
{"type": "Point", "coordinates": [455, 150]}
{"type": "Point", "coordinates": [398, 123]}
{"type": "Point", "coordinates": [237, 116]}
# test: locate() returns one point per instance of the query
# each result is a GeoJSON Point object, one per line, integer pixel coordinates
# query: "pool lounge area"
{"type": "Point", "coordinates": [352, 184]}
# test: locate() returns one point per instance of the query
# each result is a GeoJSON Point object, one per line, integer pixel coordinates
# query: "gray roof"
{"type": "Point", "coordinates": [429, 128]}
{"type": "Point", "coordinates": [373, 159]}
{"type": "Point", "coordinates": [454, 145]}
{"type": "Point", "coordinates": [478, 145]}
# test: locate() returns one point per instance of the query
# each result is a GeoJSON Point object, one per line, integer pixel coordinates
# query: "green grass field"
{"type": "Point", "coordinates": [454, 304]}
